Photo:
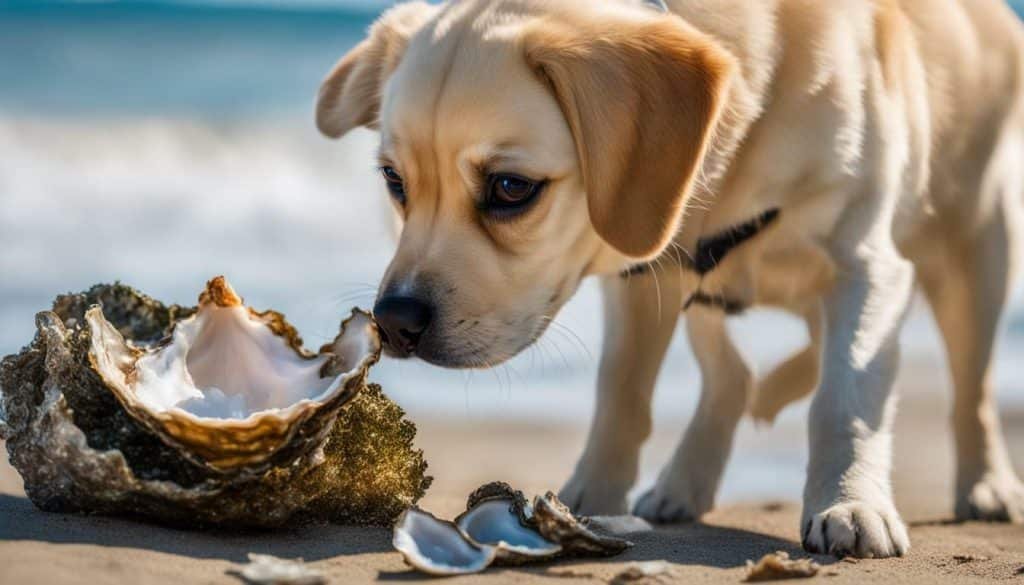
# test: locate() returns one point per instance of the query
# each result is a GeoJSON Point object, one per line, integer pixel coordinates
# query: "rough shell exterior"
{"type": "Point", "coordinates": [552, 519]}
{"type": "Point", "coordinates": [500, 490]}
{"type": "Point", "coordinates": [556, 522]}
{"type": "Point", "coordinates": [79, 450]}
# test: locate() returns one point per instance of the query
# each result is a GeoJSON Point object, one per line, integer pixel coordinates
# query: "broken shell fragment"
{"type": "Point", "coordinates": [213, 415]}
{"type": "Point", "coordinates": [778, 566]}
{"type": "Point", "coordinates": [438, 547]}
{"type": "Point", "coordinates": [557, 523]}
{"type": "Point", "coordinates": [270, 570]}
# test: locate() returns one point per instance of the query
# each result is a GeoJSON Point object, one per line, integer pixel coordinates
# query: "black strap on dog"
{"type": "Point", "coordinates": [710, 252]}
{"type": "Point", "coordinates": [727, 306]}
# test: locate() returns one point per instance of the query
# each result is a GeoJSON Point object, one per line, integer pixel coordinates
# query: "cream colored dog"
{"type": "Point", "coordinates": [823, 157]}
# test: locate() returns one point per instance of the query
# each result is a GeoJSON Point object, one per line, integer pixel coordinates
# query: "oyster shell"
{"type": "Point", "coordinates": [500, 516]}
{"type": "Point", "coordinates": [499, 526]}
{"type": "Point", "coordinates": [233, 388]}
{"type": "Point", "coordinates": [212, 416]}
{"type": "Point", "coordinates": [438, 547]}
{"type": "Point", "coordinates": [556, 522]}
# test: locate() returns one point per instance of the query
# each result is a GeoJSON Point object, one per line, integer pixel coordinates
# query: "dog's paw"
{"type": "Point", "coordinates": [662, 508]}
{"type": "Point", "coordinates": [594, 497]}
{"type": "Point", "coordinates": [672, 503]}
{"type": "Point", "coordinates": [995, 498]}
{"type": "Point", "coordinates": [856, 529]}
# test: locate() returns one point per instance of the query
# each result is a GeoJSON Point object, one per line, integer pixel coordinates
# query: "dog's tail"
{"type": "Point", "coordinates": [790, 381]}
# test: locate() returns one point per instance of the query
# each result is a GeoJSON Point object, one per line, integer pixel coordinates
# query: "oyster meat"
{"type": "Point", "coordinates": [214, 415]}
{"type": "Point", "coordinates": [499, 526]}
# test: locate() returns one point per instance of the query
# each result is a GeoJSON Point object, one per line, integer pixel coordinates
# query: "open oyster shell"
{"type": "Point", "coordinates": [210, 416]}
{"type": "Point", "coordinates": [233, 388]}
{"type": "Point", "coordinates": [500, 516]}
{"type": "Point", "coordinates": [438, 547]}
{"type": "Point", "coordinates": [498, 527]}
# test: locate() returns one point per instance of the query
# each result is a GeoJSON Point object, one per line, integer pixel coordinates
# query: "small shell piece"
{"type": "Point", "coordinates": [778, 566]}
{"type": "Point", "coordinates": [557, 523]}
{"type": "Point", "coordinates": [270, 570]}
{"type": "Point", "coordinates": [438, 547]}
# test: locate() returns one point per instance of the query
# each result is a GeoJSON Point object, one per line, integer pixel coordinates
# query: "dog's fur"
{"type": "Point", "coordinates": [888, 132]}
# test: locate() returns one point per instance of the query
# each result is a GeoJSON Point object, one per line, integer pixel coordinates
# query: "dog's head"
{"type": "Point", "coordinates": [525, 145]}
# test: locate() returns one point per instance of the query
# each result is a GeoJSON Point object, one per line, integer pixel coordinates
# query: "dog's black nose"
{"type": "Point", "coordinates": [402, 321]}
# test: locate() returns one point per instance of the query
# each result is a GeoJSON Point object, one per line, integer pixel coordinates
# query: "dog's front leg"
{"type": "Point", "coordinates": [848, 504]}
{"type": "Point", "coordinates": [641, 312]}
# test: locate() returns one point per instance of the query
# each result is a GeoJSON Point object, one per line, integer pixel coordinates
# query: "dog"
{"type": "Point", "coordinates": [701, 157]}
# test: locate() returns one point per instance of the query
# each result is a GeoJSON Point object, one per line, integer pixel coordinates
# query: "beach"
{"type": "Point", "coordinates": [163, 142]}
{"type": "Point", "coordinates": [38, 547]}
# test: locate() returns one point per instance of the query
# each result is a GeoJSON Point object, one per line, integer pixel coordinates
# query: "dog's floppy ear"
{"type": "Point", "coordinates": [350, 95]}
{"type": "Point", "coordinates": [642, 96]}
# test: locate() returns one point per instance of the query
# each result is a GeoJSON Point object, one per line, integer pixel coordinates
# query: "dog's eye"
{"type": "Point", "coordinates": [510, 194]}
{"type": "Point", "coordinates": [395, 184]}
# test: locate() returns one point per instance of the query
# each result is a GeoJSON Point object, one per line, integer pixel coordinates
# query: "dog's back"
{"type": "Point", "coordinates": [972, 52]}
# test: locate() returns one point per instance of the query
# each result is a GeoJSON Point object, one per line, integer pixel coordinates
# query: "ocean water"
{"type": "Point", "coordinates": [160, 143]}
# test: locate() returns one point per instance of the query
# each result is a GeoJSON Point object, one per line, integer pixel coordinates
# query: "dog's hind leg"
{"type": "Point", "coordinates": [641, 313]}
{"type": "Point", "coordinates": [686, 487]}
{"type": "Point", "coordinates": [794, 378]}
{"type": "Point", "coordinates": [968, 290]}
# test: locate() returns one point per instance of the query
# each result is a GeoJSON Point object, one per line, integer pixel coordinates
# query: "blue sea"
{"type": "Point", "coordinates": [163, 142]}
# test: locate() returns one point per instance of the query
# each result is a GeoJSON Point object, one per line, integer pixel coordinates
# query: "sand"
{"type": "Point", "coordinates": [36, 547]}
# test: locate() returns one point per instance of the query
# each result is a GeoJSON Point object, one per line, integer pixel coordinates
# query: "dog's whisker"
{"type": "Point", "coordinates": [467, 377]}
{"type": "Point", "coordinates": [356, 288]}
{"type": "Point", "coordinates": [353, 298]}
{"type": "Point", "coordinates": [541, 348]}
{"type": "Point", "coordinates": [476, 351]}
{"type": "Point", "coordinates": [570, 335]}
{"type": "Point", "coordinates": [357, 283]}
{"type": "Point", "coordinates": [546, 358]}
{"type": "Point", "coordinates": [576, 344]}
{"type": "Point", "coordinates": [679, 253]}
{"type": "Point", "coordinates": [554, 344]}
{"type": "Point", "coordinates": [532, 352]}
{"type": "Point", "coordinates": [657, 286]}
{"type": "Point", "coordinates": [510, 372]}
